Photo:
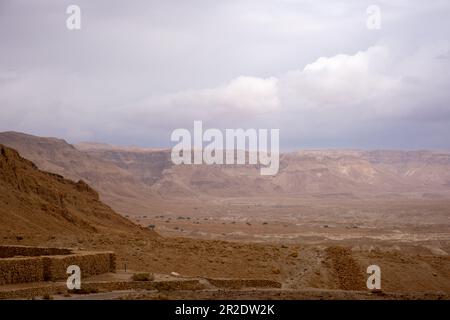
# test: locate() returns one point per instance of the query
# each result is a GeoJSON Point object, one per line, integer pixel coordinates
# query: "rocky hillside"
{"type": "Point", "coordinates": [38, 204]}
{"type": "Point", "coordinates": [41, 208]}
{"type": "Point", "coordinates": [136, 180]}
{"type": "Point", "coordinates": [303, 172]}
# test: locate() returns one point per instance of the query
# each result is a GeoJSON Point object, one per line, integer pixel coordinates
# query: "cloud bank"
{"type": "Point", "coordinates": [135, 73]}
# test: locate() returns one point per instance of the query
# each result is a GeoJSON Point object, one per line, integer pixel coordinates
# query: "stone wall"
{"type": "Point", "coordinates": [90, 263]}
{"type": "Point", "coordinates": [18, 270]}
{"type": "Point", "coordinates": [29, 264]}
{"type": "Point", "coordinates": [12, 251]}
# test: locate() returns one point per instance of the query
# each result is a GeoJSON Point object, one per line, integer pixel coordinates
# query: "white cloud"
{"type": "Point", "coordinates": [241, 96]}
{"type": "Point", "coordinates": [134, 73]}
{"type": "Point", "coordinates": [342, 79]}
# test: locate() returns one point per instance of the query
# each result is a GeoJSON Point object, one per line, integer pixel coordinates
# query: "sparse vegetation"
{"type": "Point", "coordinates": [143, 276]}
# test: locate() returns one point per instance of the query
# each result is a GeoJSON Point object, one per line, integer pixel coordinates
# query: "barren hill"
{"type": "Point", "coordinates": [335, 172]}
{"type": "Point", "coordinates": [115, 185]}
{"type": "Point", "coordinates": [41, 208]}
{"type": "Point", "coordinates": [302, 172]}
{"type": "Point", "coordinates": [138, 180]}
{"type": "Point", "coordinates": [42, 205]}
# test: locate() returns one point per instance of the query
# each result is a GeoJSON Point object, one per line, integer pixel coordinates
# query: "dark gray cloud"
{"type": "Point", "coordinates": [136, 71]}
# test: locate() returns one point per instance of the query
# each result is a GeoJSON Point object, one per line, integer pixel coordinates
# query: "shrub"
{"type": "Point", "coordinates": [144, 276]}
{"type": "Point", "coordinates": [275, 270]}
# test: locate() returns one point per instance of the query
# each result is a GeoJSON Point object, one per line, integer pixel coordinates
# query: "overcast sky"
{"type": "Point", "coordinates": [137, 70]}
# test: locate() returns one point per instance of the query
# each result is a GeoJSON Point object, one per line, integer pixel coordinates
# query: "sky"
{"type": "Point", "coordinates": [138, 70]}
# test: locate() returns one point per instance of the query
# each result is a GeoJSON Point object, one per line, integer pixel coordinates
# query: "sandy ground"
{"type": "Point", "coordinates": [305, 244]}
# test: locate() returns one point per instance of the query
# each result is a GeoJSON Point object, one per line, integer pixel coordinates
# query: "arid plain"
{"type": "Point", "coordinates": [314, 227]}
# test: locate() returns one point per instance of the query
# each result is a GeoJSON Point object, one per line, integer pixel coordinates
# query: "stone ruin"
{"type": "Point", "coordinates": [21, 264]}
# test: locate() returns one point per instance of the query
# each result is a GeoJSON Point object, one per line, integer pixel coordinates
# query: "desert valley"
{"type": "Point", "coordinates": [308, 232]}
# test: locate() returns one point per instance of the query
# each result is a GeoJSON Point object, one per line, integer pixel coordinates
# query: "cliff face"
{"type": "Point", "coordinates": [140, 181]}
{"type": "Point", "coordinates": [38, 203]}
{"type": "Point", "coordinates": [303, 172]}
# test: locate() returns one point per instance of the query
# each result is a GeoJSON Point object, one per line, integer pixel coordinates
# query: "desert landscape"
{"type": "Point", "coordinates": [224, 150]}
{"type": "Point", "coordinates": [226, 232]}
